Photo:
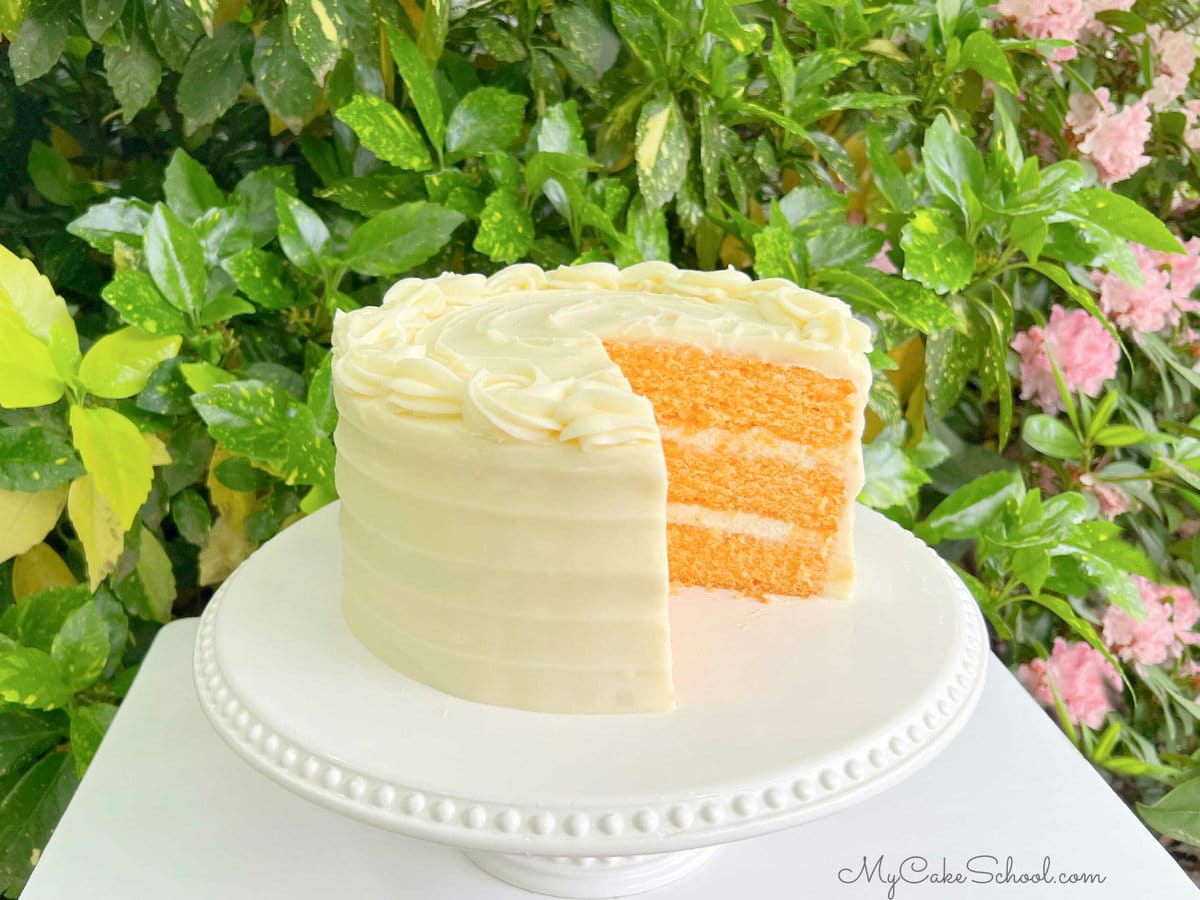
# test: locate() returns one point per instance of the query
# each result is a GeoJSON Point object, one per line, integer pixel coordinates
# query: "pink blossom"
{"type": "Point", "coordinates": [1081, 677]}
{"type": "Point", "coordinates": [1116, 143]}
{"type": "Point", "coordinates": [1175, 57]}
{"type": "Point", "coordinates": [1189, 528]}
{"type": "Point", "coordinates": [1171, 616]}
{"type": "Point", "coordinates": [883, 262]}
{"type": "Point", "coordinates": [1113, 501]}
{"type": "Point", "coordinates": [1168, 280]}
{"type": "Point", "coordinates": [1086, 111]}
{"type": "Point", "coordinates": [1085, 353]}
{"type": "Point", "coordinates": [1048, 19]}
{"type": "Point", "coordinates": [1191, 130]}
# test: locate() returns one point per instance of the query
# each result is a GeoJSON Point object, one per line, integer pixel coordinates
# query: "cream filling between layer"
{"type": "Point", "coordinates": [749, 524]}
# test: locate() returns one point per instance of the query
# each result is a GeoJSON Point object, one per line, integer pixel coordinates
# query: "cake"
{"type": "Point", "coordinates": [527, 462]}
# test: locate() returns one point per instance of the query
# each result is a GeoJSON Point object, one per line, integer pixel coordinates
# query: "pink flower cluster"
{"type": "Point", "coordinates": [1081, 677]}
{"type": "Point", "coordinates": [1114, 140]}
{"type": "Point", "coordinates": [1170, 623]}
{"type": "Point", "coordinates": [1191, 129]}
{"type": "Point", "coordinates": [1071, 20]}
{"type": "Point", "coordinates": [1085, 353]}
{"type": "Point", "coordinates": [1175, 57]}
{"type": "Point", "coordinates": [1168, 280]}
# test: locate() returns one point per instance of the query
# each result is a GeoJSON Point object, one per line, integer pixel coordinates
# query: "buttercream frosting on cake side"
{"type": "Point", "coordinates": [503, 488]}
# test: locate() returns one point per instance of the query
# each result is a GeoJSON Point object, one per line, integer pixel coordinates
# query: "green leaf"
{"type": "Point", "coordinates": [662, 151]}
{"type": "Point", "coordinates": [214, 75]}
{"type": "Point", "coordinates": [262, 277]}
{"type": "Point", "coordinates": [134, 296]}
{"type": "Point", "coordinates": [640, 25]}
{"type": "Point", "coordinates": [40, 42]}
{"type": "Point", "coordinates": [386, 132]}
{"type": "Point", "coordinates": [176, 261]}
{"type": "Point", "coordinates": [269, 426]}
{"type": "Point", "coordinates": [51, 174]}
{"type": "Point", "coordinates": [119, 218]}
{"type": "Point", "coordinates": [88, 726]}
{"type": "Point", "coordinates": [935, 254]}
{"type": "Point", "coordinates": [133, 71]}
{"type": "Point", "coordinates": [255, 196]}
{"type": "Point", "coordinates": [26, 735]}
{"type": "Point", "coordinates": [774, 250]}
{"type": "Point", "coordinates": [434, 25]}
{"type": "Point", "coordinates": [381, 190]}
{"type": "Point", "coordinates": [1125, 218]}
{"type": "Point", "coordinates": [892, 478]}
{"type": "Point", "coordinates": [1051, 437]}
{"type": "Point", "coordinates": [720, 21]}
{"type": "Point", "coordinates": [174, 30]}
{"type": "Point", "coordinates": [422, 91]}
{"type": "Point", "coordinates": [81, 648]}
{"type": "Point", "coordinates": [506, 229]}
{"type": "Point", "coordinates": [119, 364]}
{"type": "Point", "coordinates": [282, 76]}
{"type": "Point", "coordinates": [12, 14]}
{"type": "Point", "coordinates": [29, 814]}
{"type": "Point", "coordinates": [149, 591]}
{"type": "Point", "coordinates": [302, 234]}
{"type": "Point", "coordinates": [1176, 815]}
{"type": "Point", "coordinates": [953, 166]}
{"type": "Point", "coordinates": [318, 28]}
{"type": "Point", "coordinates": [100, 15]}
{"type": "Point", "coordinates": [38, 618]}
{"type": "Point", "coordinates": [981, 53]}
{"type": "Point", "coordinates": [320, 395]}
{"type": "Point", "coordinates": [30, 678]}
{"type": "Point", "coordinates": [501, 42]}
{"type": "Point", "coordinates": [28, 376]}
{"type": "Point", "coordinates": [649, 231]}
{"type": "Point", "coordinates": [966, 511]}
{"type": "Point", "coordinates": [951, 357]}
{"type": "Point", "coordinates": [116, 456]}
{"type": "Point", "coordinates": [222, 308]}
{"type": "Point", "coordinates": [908, 301]}
{"type": "Point", "coordinates": [585, 35]}
{"type": "Point", "coordinates": [34, 458]}
{"type": "Point", "coordinates": [192, 517]}
{"type": "Point", "coordinates": [1120, 436]}
{"type": "Point", "coordinates": [189, 189]}
{"type": "Point", "coordinates": [395, 241]}
{"type": "Point", "coordinates": [886, 174]}
{"type": "Point", "coordinates": [486, 119]}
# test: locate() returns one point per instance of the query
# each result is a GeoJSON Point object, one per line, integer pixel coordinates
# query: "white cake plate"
{"type": "Point", "coordinates": [787, 711]}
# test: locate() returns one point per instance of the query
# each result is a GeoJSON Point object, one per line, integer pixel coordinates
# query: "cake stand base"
{"type": "Point", "coordinates": [786, 712]}
{"type": "Point", "coordinates": [591, 877]}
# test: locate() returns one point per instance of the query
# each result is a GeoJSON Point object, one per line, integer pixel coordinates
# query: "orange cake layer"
{"type": "Point", "coordinates": [691, 386]}
{"type": "Point", "coordinates": [771, 486]}
{"type": "Point", "coordinates": [748, 565]}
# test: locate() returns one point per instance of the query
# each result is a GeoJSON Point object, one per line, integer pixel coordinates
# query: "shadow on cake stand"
{"type": "Point", "coordinates": [788, 711]}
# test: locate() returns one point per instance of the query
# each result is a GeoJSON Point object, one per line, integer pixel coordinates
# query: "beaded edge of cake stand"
{"type": "Point", "coordinates": [465, 822]}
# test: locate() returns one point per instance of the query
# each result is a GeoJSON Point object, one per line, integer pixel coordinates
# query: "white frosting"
{"type": "Point", "coordinates": [520, 355]}
{"type": "Point", "coordinates": [504, 491]}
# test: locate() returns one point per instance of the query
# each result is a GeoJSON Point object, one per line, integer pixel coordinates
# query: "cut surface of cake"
{"type": "Point", "coordinates": [527, 461]}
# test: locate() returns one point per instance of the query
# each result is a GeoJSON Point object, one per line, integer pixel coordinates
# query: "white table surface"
{"type": "Point", "coordinates": [169, 812]}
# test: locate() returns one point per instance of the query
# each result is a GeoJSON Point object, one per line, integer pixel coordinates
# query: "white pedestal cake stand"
{"type": "Point", "coordinates": [787, 711]}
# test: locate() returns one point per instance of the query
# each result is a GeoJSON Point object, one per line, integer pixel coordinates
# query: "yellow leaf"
{"type": "Point", "coordinates": [98, 528]}
{"type": "Point", "coordinates": [226, 548]}
{"type": "Point", "coordinates": [65, 143]}
{"type": "Point", "coordinates": [28, 375]}
{"type": "Point", "coordinates": [116, 456]}
{"type": "Point", "coordinates": [27, 293]}
{"type": "Point", "coordinates": [234, 505]}
{"type": "Point", "coordinates": [159, 455]}
{"type": "Point", "coordinates": [27, 518]}
{"type": "Point", "coordinates": [39, 569]}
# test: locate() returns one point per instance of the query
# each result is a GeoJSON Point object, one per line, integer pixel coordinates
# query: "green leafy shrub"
{"type": "Point", "coordinates": [191, 190]}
